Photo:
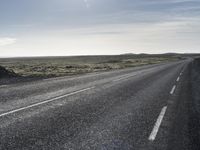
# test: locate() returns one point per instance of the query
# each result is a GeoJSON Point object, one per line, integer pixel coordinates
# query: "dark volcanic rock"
{"type": "Point", "coordinates": [6, 74]}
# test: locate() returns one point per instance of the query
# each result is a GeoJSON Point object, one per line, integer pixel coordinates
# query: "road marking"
{"type": "Point", "coordinates": [157, 124]}
{"type": "Point", "coordinates": [47, 79]}
{"type": "Point", "coordinates": [119, 79]}
{"type": "Point", "coordinates": [173, 89]}
{"type": "Point", "coordinates": [2, 86]}
{"type": "Point", "coordinates": [178, 79]}
{"type": "Point", "coordinates": [44, 102]}
{"type": "Point", "coordinates": [124, 77]}
{"type": "Point", "coordinates": [181, 74]}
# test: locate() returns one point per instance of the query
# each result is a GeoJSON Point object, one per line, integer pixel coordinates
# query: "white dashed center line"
{"type": "Point", "coordinates": [161, 116]}
{"type": "Point", "coordinates": [173, 89]}
{"type": "Point", "coordinates": [157, 124]}
{"type": "Point", "coordinates": [178, 79]}
{"type": "Point", "coordinates": [44, 102]}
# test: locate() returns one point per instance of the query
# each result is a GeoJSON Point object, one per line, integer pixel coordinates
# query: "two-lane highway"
{"type": "Point", "coordinates": [120, 109]}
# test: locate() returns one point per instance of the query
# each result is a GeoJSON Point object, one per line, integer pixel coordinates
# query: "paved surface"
{"type": "Point", "coordinates": [125, 109]}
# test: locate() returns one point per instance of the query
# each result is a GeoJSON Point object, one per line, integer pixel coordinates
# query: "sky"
{"type": "Point", "coordinates": [98, 27]}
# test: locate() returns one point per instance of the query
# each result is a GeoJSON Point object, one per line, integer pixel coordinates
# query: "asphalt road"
{"type": "Point", "coordinates": [124, 109]}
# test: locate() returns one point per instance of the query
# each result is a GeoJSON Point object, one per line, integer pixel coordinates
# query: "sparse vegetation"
{"type": "Point", "coordinates": [62, 66]}
{"type": "Point", "coordinates": [6, 74]}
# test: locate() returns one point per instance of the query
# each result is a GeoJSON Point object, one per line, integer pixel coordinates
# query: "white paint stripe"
{"type": "Point", "coordinates": [44, 102]}
{"type": "Point", "coordinates": [181, 74]}
{"type": "Point", "coordinates": [173, 89]}
{"type": "Point", "coordinates": [47, 79]}
{"type": "Point", "coordinates": [124, 77]}
{"type": "Point", "coordinates": [2, 86]}
{"type": "Point", "coordinates": [178, 79]}
{"type": "Point", "coordinates": [119, 79]}
{"type": "Point", "coordinates": [157, 124]}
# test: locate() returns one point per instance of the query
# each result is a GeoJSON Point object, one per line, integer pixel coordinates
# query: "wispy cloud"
{"type": "Point", "coordinates": [7, 41]}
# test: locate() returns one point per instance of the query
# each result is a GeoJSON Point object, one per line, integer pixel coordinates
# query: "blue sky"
{"type": "Point", "coordinates": [92, 27]}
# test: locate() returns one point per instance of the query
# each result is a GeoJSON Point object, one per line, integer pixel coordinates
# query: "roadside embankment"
{"type": "Point", "coordinates": [10, 77]}
{"type": "Point", "coordinates": [6, 74]}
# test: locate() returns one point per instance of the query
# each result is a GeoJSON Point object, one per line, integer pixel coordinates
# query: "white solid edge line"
{"type": "Point", "coordinates": [178, 79]}
{"type": "Point", "coordinates": [47, 79]}
{"type": "Point", "coordinates": [120, 79]}
{"type": "Point", "coordinates": [155, 130]}
{"type": "Point", "coordinates": [173, 89]}
{"type": "Point", "coordinates": [123, 78]}
{"type": "Point", "coordinates": [2, 86]}
{"type": "Point", "coordinates": [44, 102]}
